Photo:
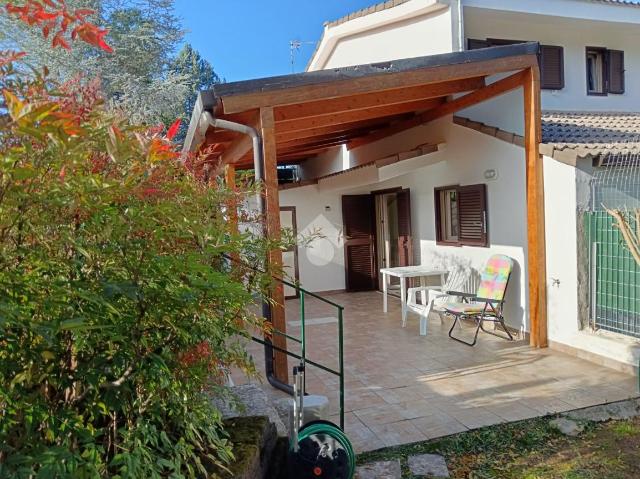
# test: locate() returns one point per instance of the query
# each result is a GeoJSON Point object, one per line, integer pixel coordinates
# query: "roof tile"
{"type": "Point", "coordinates": [594, 133]}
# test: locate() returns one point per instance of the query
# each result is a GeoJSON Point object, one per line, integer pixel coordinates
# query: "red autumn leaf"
{"type": "Point", "coordinates": [102, 44]}
{"type": "Point", "coordinates": [173, 129]}
{"type": "Point", "coordinates": [41, 15]}
{"type": "Point", "coordinates": [83, 12]}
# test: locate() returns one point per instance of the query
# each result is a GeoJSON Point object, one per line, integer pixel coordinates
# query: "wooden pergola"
{"type": "Point", "coordinates": [299, 116]}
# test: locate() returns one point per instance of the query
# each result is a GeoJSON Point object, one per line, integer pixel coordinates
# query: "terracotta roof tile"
{"type": "Point", "coordinates": [592, 133]}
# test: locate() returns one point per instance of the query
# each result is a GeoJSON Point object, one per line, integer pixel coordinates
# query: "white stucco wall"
{"type": "Point", "coordinates": [413, 29]}
{"type": "Point", "coordinates": [564, 291]}
{"type": "Point", "coordinates": [574, 36]}
{"type": "Point", "coordinates": [464, 159]}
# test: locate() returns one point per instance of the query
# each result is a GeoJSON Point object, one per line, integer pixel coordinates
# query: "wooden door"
{"type": "Point", "coordinates": [405, 240]}
{"type": "Point", "coordinates": [290, 256]}
{"type": "Point", "coordinates": [358, 213]}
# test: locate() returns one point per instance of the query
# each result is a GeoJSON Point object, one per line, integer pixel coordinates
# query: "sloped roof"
{"type": "Point", "coordinates": [593, 133]}
{"type": "Point", "coordinates": [620, 2]}
{"type": "Point", "coordinates": [366, 11]}
{"type": "Point", "coordinates": [394, 3]}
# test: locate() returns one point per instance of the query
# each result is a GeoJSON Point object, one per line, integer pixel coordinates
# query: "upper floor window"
{"type": "Point", "coordinates": [605, 71]}
{"type": "Point", "coordinates": [550, 59]}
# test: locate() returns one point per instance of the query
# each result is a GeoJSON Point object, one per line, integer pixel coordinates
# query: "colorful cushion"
{"type": "Point", "coordinates": [494, 277]}
{"type": "Point", "coordinates": [465, 308]}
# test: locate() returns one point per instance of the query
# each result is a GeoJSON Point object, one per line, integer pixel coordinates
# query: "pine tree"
{"type": "Point", "coordinates": [198, 74]}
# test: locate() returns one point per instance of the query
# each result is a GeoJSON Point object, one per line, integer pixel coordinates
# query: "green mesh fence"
{"type": "Point", "coordinates": [615, 278]}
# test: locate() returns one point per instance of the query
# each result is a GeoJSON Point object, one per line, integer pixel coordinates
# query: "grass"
{"type": "Point", "coordinates": [531, 449]}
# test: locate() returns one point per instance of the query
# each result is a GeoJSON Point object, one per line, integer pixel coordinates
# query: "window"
{"type": "Point", "coordinates": [605, 71]}
{"type": "Point", "coordinates": [448, 208]}
{"type": "Point", "coordinates": [461, 215]}
{"type": "Point", "coordinates": [550, 59]}
{"type": "Point", "coordinates": [596, 71]}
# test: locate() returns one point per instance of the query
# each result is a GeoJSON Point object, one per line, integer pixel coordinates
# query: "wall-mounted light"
{"type": "Point", "coordinates": [327, 208]}
{"type": "Point", "coordinates": [490, 174]}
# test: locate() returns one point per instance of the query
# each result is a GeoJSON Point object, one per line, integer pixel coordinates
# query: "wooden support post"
{"type": "Point", "coordinates": [535, 210]}
{"type": "Point", "coordinates": [272, 230]}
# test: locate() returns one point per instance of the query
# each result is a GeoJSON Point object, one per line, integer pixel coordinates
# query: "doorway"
{"type": "Point", "coordinates": [377, 230]}
{"type": "Point", "coordinates": [290, 256]}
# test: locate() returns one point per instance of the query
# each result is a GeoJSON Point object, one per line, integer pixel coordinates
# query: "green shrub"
{"type": "Point", "coordinates": [118, 312]}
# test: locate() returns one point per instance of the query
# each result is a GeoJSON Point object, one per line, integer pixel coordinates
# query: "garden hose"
{"type": "Point", "coordinates": [318, 449]}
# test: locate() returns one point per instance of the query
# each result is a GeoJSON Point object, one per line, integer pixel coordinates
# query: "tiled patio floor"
{"type": "Point", "coordinates": [401, 387]}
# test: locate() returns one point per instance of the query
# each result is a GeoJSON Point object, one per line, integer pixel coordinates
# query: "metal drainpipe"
{"type": "Point", "coordinates": [258, 166]}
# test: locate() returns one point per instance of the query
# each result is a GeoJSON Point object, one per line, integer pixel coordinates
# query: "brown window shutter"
{"type": "Point", "coordinates": [473, 44]}
{"type": "Point", "coordinates": [472, 215]}
{"type": "Point", "coordinates": [616, 71]}
{"type": "Point", "coordinates": [359, 225]}
{"type": "Point", "coordinates": [551, 67]}
{"type": "Point", "coordinates": [405, 241]}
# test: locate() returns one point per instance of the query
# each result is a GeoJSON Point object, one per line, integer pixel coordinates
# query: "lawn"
{"type": "Point", "coordinates": [532, 449]}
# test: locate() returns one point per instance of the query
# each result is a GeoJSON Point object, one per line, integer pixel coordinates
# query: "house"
{"type": "Point", "coordinates": [428, 173]}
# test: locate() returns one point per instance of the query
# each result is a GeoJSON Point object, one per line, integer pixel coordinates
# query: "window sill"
{"type": "Point", "coordinates": [448, 243]}
{"type": "Point", "coordinates": [460, 245]}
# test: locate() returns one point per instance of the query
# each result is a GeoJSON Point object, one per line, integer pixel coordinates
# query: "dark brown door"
{"type": "Point", "coordinates": [405, 241]}
{"type": "Point", "coordinates": [359, 246]}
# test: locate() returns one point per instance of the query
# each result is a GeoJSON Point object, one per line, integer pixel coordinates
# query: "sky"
{"type": "Point", "coordinates": [245, 39]}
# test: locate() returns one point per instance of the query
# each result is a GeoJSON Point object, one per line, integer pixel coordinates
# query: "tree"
{"type": "Point", "coordinates": [138, 79]}
{"type": "Point", "coordinates": [198, 74]}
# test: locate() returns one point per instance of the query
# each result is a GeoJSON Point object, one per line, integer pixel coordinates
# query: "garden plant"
{"type": "Point", "coordinates": [119, 313]}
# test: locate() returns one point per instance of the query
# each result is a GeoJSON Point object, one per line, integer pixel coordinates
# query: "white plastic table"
{"type": "Point", "coordinates": [402, 273]}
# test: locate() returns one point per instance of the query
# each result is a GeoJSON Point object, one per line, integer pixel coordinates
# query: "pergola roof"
{"type": "Point", "coordinates": [315, 111]}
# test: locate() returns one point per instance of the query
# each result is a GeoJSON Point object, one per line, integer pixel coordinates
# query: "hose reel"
{"type": "Point", "coordinates": [318, 449]}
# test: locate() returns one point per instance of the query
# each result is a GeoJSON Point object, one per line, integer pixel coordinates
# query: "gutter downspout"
{"type": "Point", "coordinates": [206, 120]}
{"type": "Point", "coordinates": [460, 27]}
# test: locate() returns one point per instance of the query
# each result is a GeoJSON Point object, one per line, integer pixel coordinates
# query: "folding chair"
{"type": "Point", "coordinates": [487, 304]}
{"type": "Point", "coordinates": [433, 297]}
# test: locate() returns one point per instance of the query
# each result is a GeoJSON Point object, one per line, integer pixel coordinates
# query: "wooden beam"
{"type": "Point", "coordinates": [495, 89]}
{"type": "Point", "coordinates": [358, 115]}
{"type": "Point", "coordinates": [492, 90]}
{"type": "Point", "coordinates": [344, 135]}
{"type": "Point", "coordinates": [312, 145]}
{"type": "Point", "coordinates": [302, 153]}
{"type": "Point", "coordinates": [366, 84]}
{"type": "Point", "coordinates": [535, 210]}
{"type": "Point", "coordinates": [243, 143]}
{"type": "Point", "coordinates": [272, 230]}
{"type": "Point", "coordinates": [237, 150]}
{"type": "Point", "coordinates": [377, 99]}
{"type": "Point", "coordinates": [359, 125]}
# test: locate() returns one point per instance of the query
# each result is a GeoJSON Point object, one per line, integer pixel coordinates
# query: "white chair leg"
{"type": "Point", "coordinates": [424, 318]}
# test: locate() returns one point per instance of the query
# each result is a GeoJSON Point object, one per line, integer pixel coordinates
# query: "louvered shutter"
{"type": "Point", "coordinates": [551, 67]}
{"type": "Point", "coordinates": [473, 44]}
{"type": "Point", "coordinates": [472, 215]}
{"type": "Point", "coordinates": [359, 253]}
{"type": "Point", "coordinates": [616, 71]}
{"type": "Point", "coordinates": [405, 246]}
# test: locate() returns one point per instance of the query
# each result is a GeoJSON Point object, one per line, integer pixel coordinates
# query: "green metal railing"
{"type": "Point", "coordinates": [302, 356]}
